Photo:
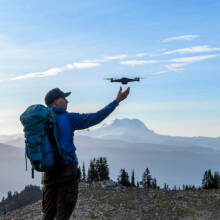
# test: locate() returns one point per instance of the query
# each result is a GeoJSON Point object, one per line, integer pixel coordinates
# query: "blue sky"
{"type": "Point", "coordinates": [173, 45]}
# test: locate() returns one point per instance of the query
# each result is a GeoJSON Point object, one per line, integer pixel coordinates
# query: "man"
{"type": "Point", "coordinates": [60, 190]}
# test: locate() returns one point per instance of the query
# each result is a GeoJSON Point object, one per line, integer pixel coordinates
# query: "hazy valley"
{"type": "Point", "coordinates": [127, 144]}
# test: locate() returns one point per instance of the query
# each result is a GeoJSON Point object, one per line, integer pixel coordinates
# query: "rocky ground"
{"type": "Point", "coordinates": [105, 201]}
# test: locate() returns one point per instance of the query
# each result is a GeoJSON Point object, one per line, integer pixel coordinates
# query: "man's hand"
{"type": "Point", "coordinates": [122, 95]}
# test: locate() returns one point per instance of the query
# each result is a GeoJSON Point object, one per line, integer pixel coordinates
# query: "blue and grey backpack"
{"type": "Point", "coordinates": [41, 139]}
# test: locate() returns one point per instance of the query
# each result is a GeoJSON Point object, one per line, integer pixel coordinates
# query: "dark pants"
{"type": "Point", "coordinates": [60, 193]}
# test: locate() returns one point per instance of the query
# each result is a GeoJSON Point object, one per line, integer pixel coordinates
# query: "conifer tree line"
{"type": "Point", "coordinates": [211, 181]}
{"type": "Point", "coordinates": [28, 195]}
{"type": "Point", "coordinates": [98, 170]}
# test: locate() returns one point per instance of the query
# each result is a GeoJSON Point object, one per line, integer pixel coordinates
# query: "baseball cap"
{"type": "Point", "coordinates": [54, 94]}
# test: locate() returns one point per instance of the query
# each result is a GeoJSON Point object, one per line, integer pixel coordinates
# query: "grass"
{"type": "Point", "coordinates": [187, 212]}
{"type": "Point", "coordinates": [162, 204]}
{"type": "Point", "coordinates": [94, 216]}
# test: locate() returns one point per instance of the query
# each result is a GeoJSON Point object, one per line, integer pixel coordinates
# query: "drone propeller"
{"type": "Point", "coordinates": [108, 78]}
{"type": "Point", "coordinates": [138, 78]}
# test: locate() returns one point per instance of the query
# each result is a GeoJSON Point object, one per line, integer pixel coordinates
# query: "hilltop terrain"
{"type": "Point", "coordinates": [104, 201]}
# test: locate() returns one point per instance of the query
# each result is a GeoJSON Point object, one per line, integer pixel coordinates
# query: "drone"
{"type": "Point", "coordinates": [124, 80]}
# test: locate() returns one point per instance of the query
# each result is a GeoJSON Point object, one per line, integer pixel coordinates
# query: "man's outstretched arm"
{"type": "Point", "coordinates": [82, 121]}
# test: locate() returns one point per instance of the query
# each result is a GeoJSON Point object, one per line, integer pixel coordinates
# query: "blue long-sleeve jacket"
{"type": "Point", "coordinates": [67, 123]}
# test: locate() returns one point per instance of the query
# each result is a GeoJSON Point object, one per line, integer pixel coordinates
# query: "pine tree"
{"type": "Point", "coordinates": [9, 195]}
{"type": "Point", "coordinates": [132, 179]}
{"type": "Point", "coordinates": [98, 170]}
{"type": "Point", "coordinates": [29, 195]}
{"type": "Point", "coordinates": [96, 174]}
{"type": "Point", "coordinates": [216, 180]}
{"type": "Point", "coordinates": [104, 174]}
{"type": "Point", "coordinates": [146, 179]}
{"type": "Point", "coordinates": [208, 180]}
{"type": "Point", "coordinates": [154, 183]}
{"type": "Point", "coordinates": [92, 173]}
{"type": "Point", "coordinates": [83, 172]}
{"type": "Point", "coordinates": [205, 180]}
{"type": "Point", "coordinates": [166, 186]}
{"type": "Point", "coordinates": [123, 178]}
{"type": "Point", "coordinates": [174, 188]}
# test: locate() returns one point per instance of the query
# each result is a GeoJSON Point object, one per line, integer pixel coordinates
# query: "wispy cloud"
{"type": "Point", "coordinates": [142, 54]}
{"type": "Point", "coordinates": [180, 62]}
{"type": "Point", "coordinates": [138, 62]}
{"type": "Point", "coordinates": [55, 71]}
{"type": "Point", "coordinates": [147, 55]}
{"type": "Point", "coordinates": [175, 67]}
{"type": "Point", "coordinates": [93, 61]}
{"type": "Point", "coordinates": [83, 65]}
{"type": "Point", "coordinates": [182, 37]}
{"type": "Point", "coordinates": [160, 72]}
{"type": "Point", "coordinates": [193, 59]}
{"type": "Point", "coordinates": [150, 54]}
{"type": "Point", "coordinates": [118, 57]}
{"type": "Point", "coordinates": [196, 49]}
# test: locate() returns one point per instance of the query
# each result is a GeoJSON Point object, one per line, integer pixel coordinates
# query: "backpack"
{"type": "Point", "coordinates": [41, 139]}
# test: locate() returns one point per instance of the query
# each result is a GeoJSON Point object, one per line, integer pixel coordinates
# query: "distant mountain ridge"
{"type": "Point", "coordinates": [12, 170]}
{"type": "Point", "coordinates": [135, 131]}
{"type": "Point", "coordinates": [16, 140]}
{"type": "Point", "coordinates": [130, 130]}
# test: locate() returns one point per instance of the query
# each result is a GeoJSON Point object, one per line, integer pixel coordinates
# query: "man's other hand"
{"type": "Point", "coordinates": [122, 95]}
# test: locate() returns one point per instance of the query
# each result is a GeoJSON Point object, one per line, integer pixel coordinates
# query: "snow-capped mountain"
{"type": "Point", "coordinates": [129, 130]}
{"type": "Point", "coordinates": [135, 131]}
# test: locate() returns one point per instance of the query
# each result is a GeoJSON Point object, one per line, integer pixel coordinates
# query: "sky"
{"type": "Point", "coordinates": [74, 45]}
